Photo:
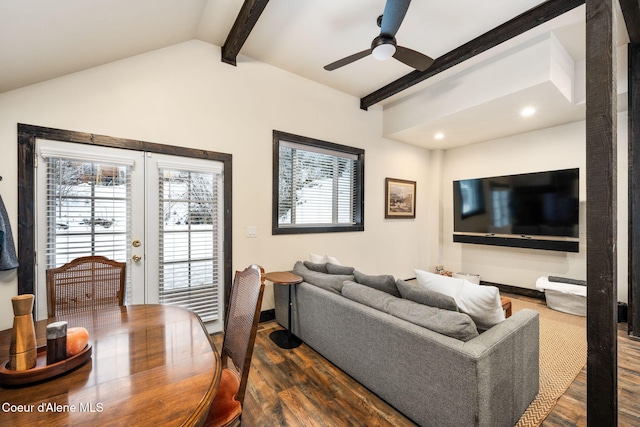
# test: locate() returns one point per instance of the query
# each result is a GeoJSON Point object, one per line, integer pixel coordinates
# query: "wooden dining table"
{"type": "Point", "coordinates": [151, 365]}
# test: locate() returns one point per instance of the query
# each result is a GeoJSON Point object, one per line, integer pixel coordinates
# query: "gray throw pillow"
{"type": "Point", "coordinates": [330, 282]}
{"type": "Point", "coordinates": [383, 282]}
{"type": "Point", "coordinates": [338, 269]}
{"type": "Point", "coordinates": [368, 296]}
{"type": "Point", "coordinates": [417, 293]}
{"type": "Point", "coordinates": [450, 323]}
{"type": "Point", "coordinates": [322, 268]}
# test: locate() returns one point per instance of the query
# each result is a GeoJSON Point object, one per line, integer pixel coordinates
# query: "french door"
{"type": "Point", "coordinates": [161, 214]}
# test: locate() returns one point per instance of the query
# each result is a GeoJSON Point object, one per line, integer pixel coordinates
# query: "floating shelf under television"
{"type": "Point", "coordinates": [520, 242]}
{"type": "Point", "coordinates": [537, 210]}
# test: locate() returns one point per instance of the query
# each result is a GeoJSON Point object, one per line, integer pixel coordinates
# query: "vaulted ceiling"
{"type": "Point", "coordinates": [41, 40]}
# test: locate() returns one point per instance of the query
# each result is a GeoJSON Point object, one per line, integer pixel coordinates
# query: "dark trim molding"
{"type": "Point", "coordinates": [631, 13]}
{"type": "Point", "coordinates": [276, 229]}
{"type": "Point", "coordinates": [520, 24]}
{"type": "Point", "coordinates": [601, 173]}
{"type": "Point", "coordinates": [26, 207]}
{"type": "Point", "coordinates": [516, 290]}
{"type": "Point", "coordinates": [242, 27]}
{"type": "Point", "coordinates": [634, 189]}
{"type": "Point", "coordinates": [267, 315]}
{"type": "Point", "coordinates": [27, 135]}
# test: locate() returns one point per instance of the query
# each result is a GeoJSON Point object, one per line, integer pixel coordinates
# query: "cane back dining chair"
{"type": "Point", "coordinates": [241, 325]}
{"type": "Point", "coordinates": [84, 284]}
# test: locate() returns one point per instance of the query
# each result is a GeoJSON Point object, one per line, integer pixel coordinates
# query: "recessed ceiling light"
{"type": "Point", "coordinates": [528, 112]}
{"type": "Point", "coordinates": [439, 135]}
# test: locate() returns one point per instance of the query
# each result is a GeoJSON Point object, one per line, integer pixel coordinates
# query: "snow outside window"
{"type": "Point", "coordinates": [191, 259]}
{"type": "Point", "coordinates": [87, 210]}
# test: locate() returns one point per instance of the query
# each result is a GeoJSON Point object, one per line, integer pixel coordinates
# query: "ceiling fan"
{"type": "Point", "coordinates": [384, 46]}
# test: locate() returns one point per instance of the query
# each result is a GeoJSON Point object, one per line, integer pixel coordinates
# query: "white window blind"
{"type": "Point", "coordinates": [191, 269]}
{"type": "Point", "coordinates": [88, 206]}
{"type": "Point", "coordinates": [317, 186]}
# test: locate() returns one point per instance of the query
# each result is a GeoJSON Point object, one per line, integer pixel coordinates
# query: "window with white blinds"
{"type": "Point", "coordinates": [318, 186]}
{"type": "Point", "coordinates": [87, 205]}
{"type": "Point", "coordinates": [190, 220]}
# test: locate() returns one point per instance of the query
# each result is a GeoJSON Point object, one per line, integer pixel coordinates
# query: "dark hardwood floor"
{"type": "Point", "coordinates": [571, 408]}
{"type": "Point", "coordinates": [301, 388]}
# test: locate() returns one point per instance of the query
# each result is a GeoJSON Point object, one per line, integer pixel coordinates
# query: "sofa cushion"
{"type": "Point", "coordinates": [321, 267]}
{"type": "Point", "coordinates": [338, 269]}
{"type": "Point", "coordinates": [383, 282]}
{"type": "Point", "coordinates": [368, 296]}
{"type": "Point", "coordinates": [330, 282]}
{"type": "Point", "coordinates": [450, 323]}
{"type": "Point", "coordinates": [480, 302]}
{"type": "Point", "coordinates": [421, 295]}
{"type": "Point", "coordinates": [446, 322]}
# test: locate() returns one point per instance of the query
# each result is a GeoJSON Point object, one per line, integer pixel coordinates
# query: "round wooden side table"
{"type": "Point", "coordinates": [284, 338]}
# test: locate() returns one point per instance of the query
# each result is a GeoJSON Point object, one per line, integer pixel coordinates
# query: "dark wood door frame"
{"type": "Point", "coordinates": [634, 190]}
{"type": "Point", "coordinates": [27, 135]}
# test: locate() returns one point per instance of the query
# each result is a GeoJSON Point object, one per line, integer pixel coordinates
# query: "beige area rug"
{"type": "Point", "coordinates": [563, 353]}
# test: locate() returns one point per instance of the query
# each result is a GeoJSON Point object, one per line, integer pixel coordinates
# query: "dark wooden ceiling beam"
{"type": "Point", "coordinates": [512, 28]}
{"type": "Point", "coordinates": [631, 13]}
{"type": "Point", "coordinates": [246, 20]}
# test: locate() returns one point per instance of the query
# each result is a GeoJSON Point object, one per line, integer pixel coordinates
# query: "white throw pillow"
{"type": "Point", "coordinates": [323, 259]}
{"type": "Point", "coordinates": [480, 302]}
{"type": "Point", "coordinates": [439, 283]}
{"type": "Point", "coordinates": [315, 258]}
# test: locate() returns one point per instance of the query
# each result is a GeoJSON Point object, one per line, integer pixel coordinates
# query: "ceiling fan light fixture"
{"type": "Point", "coordinates": [383, 48]}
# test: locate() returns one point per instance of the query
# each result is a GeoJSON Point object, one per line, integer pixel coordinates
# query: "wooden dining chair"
{"type": "Point", "coordinates": [241, 325]}
{"type": "Point", "coordinates": [84, 284]}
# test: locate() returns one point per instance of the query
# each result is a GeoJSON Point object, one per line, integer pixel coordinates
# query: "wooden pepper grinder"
{"type": "Point", "coordinates": [22, 351]}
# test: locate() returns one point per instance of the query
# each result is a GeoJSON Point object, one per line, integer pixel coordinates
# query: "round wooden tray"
{"type": "Point", "coordinates": [42, 371]}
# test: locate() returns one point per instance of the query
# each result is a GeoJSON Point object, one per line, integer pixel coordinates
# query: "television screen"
{"type": "Point", "coordinates": [532, 204]}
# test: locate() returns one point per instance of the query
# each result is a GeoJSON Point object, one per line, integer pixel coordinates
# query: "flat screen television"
{"type": "Point", "coordinates": [540, 206]}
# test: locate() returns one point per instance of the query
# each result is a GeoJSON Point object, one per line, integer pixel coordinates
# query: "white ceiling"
{"type": "Point", "coordinates": [41, 40]}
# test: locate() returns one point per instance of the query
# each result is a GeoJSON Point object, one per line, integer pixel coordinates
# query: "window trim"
{"type": "Point", "coordinates": [276, 229]}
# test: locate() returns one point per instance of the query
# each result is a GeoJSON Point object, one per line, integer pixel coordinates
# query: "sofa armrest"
{"type": "Point", "coordinates": [519, 322]}
{"type": "Point", "coordinates": [508, 364]}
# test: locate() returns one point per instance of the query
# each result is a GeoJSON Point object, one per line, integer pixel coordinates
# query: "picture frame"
{"type": "Point", "coordinates": [399, 199]}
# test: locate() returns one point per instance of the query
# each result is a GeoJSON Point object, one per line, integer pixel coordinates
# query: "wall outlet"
{"type": "Point", "coordinates": [252, 231]}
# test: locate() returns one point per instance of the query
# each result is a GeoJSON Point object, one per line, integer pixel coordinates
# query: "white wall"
{"type": "Point", "coordinates": [559, 147]}
{"type": "Point", "coordinates": [184, 96]}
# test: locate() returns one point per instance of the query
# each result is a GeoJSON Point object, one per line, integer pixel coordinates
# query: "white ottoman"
{"type": "Point", "coordinates": [565, 297]}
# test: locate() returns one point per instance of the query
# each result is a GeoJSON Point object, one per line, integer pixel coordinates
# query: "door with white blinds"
{"type": "Point", "coordinates": [163, 219]}
{"type": "Point", "coordinates": [188, 237]}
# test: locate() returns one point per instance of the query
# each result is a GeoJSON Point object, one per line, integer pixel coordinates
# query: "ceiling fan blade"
{"type": "Point", "coordinates": [392, 17]}
{"type": "Point", "coordinates": [412, 58]}
{"type": "Point", "coordinates": [348, 60]}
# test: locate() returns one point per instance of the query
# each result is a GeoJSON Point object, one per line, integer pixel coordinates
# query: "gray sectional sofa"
{"type": "Point", "coordinates": [384, 342]}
